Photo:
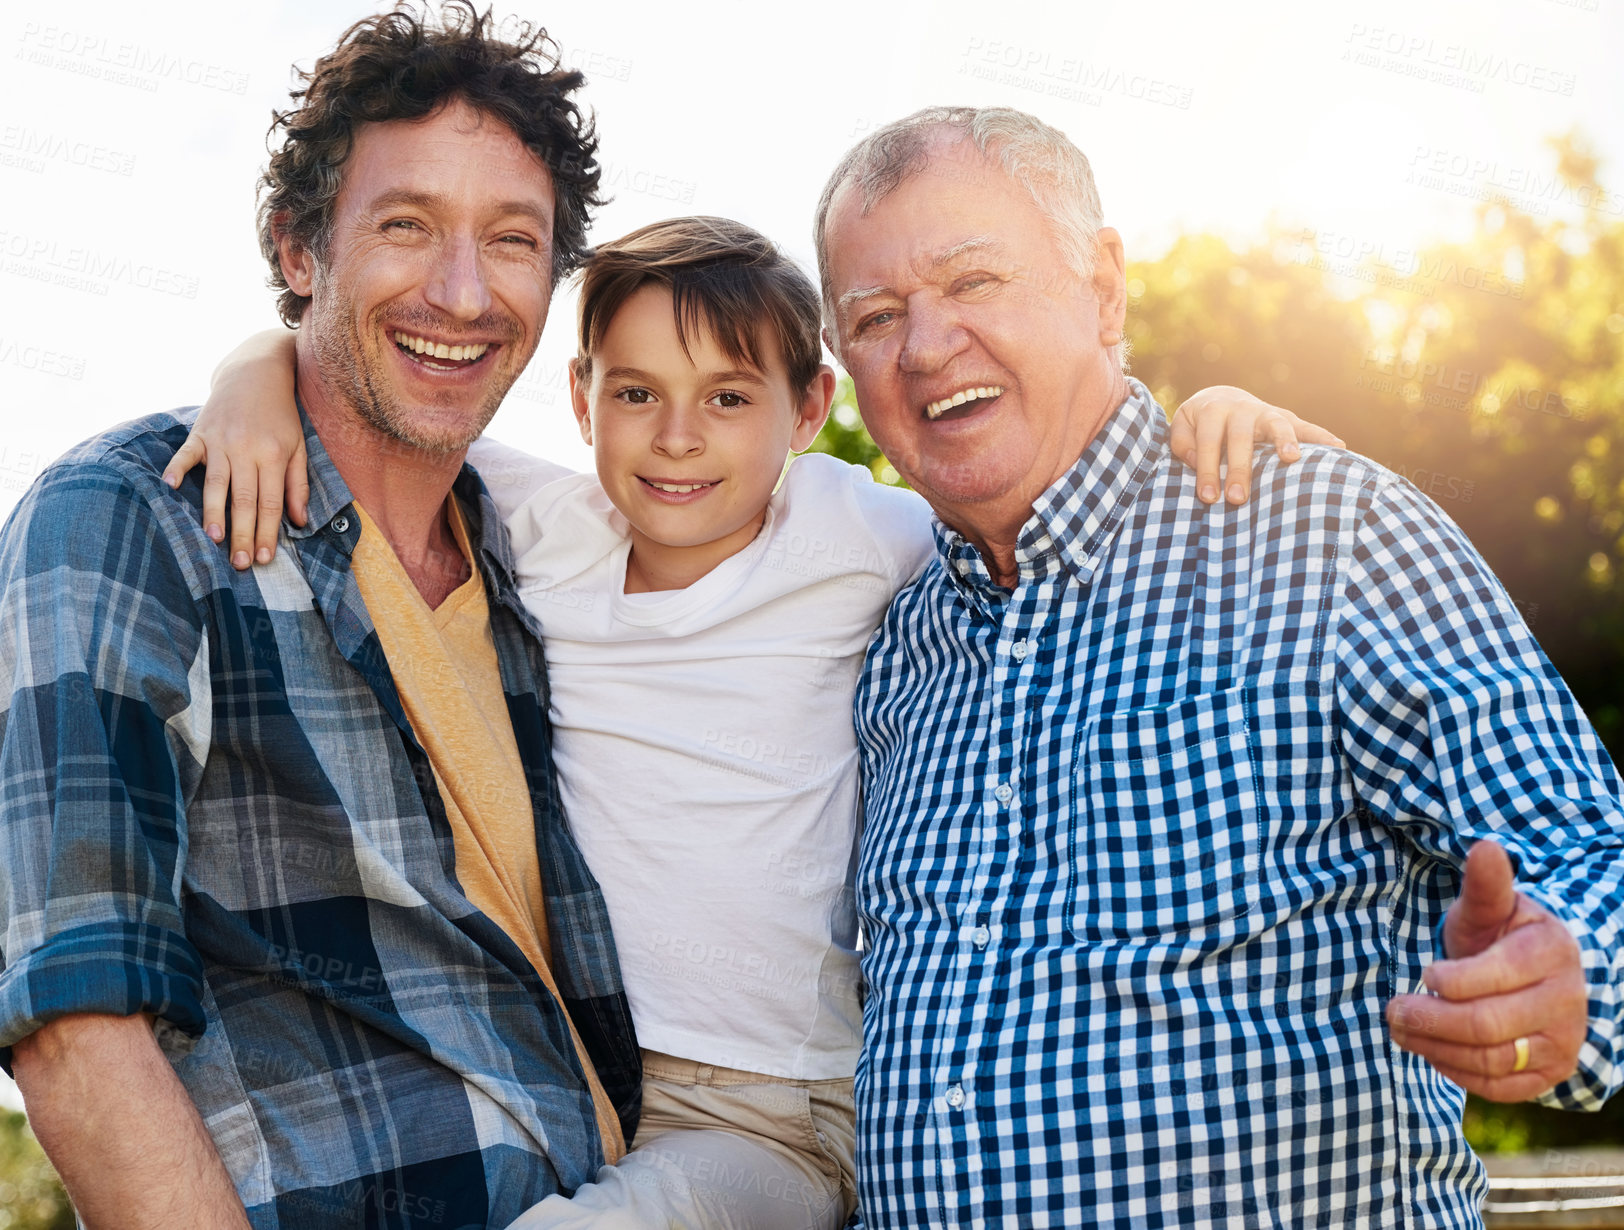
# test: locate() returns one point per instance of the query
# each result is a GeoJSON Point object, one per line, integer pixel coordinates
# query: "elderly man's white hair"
{"type": "Point", "coordinates": [1041, 159]}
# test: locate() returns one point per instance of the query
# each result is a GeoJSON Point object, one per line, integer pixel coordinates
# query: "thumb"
{"type": "Point", "coordinates": [1487, 902]}
{"type": "Point", "coordinates": [297, 484]}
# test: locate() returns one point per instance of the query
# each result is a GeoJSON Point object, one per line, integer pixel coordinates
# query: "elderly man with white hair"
{"type": "Point", "coordinates": [1172, 804]}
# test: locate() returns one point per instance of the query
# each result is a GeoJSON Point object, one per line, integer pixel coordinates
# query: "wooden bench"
{"type": "Point", "coordinates": [1578, 1189]}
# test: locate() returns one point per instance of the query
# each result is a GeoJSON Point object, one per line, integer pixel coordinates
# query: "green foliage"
{"type": "Point", "coordinates": [31, 1198]}
{"type": "Point", "coordinates": [844, 436]}
{"type": "Point", "coordinates": [1489, 372]}
{"type": "Point", "coordinates": [1492, 1127]}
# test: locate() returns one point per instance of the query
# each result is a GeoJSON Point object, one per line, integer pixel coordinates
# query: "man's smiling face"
{"type": "Point", "coordinates": [434, 287]}
{"type": "Point", "coordinates": [973, 345]}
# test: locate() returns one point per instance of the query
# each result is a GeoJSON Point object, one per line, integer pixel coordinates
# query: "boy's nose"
{"type": "Point", "coordinates": [678, 433]}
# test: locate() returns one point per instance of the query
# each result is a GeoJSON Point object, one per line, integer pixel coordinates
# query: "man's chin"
{"type": "Point", "coordinates": [433, 431]}
{"type": "Point", "coordinates": [974, 479]}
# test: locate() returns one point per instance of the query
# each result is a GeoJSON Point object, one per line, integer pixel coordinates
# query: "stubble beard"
{"type": "Point", "coordinates": [353, 372]}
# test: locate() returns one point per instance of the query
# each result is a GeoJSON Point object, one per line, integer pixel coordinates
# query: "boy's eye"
{"type": "Point", "coordinates": [729, 400]}
{"type": "Point", "coordinates": [635, 396]}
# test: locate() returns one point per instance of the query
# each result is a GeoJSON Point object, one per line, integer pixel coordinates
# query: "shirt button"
{"type": "Point", "coordinates": [1003, 794]}
{"type": "Point", "coordinates": [955, 1096]}
{"type": "Point", "coordinates": [1020, 649]}
{"type": "Point", "coordinates": [341, 524]}
{"type": "Point", "coordinates": [980, 936]}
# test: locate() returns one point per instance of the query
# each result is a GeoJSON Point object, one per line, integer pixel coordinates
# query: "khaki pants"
{"type": "Point", "coordinates": [722, 1149]}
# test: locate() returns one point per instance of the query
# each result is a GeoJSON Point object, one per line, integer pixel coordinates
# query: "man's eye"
{"type": "Point", "coordinates": [974, 281]}
{"type": "Point", "coordinates": [521, 240]}
{"type": "Point", "coordinates": [877, 320]}
{"type": "Point", "coordinates": [403, 224]}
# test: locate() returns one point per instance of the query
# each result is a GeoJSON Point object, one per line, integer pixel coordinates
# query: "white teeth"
{"type": "Point", "coordinates": [678, 488]}
{"type": "Point", "coordinates": [938, 408]}
{"type": "Point", "coordinates": [440, 350]}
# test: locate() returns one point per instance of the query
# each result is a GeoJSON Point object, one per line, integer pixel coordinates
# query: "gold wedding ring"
{"type": "Point", "coordinates": [1521, 1044]}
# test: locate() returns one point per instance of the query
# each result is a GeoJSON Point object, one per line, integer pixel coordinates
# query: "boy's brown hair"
{"type": "Point", "coordinates": [723, 276]}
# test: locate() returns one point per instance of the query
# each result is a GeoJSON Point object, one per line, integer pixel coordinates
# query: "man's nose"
{"type": "Point", "coordinates": [679, 432]}
{"type": "Point", "coordinates": [458, 287]}
{"type": "Point", "coordinates": [931, 334]}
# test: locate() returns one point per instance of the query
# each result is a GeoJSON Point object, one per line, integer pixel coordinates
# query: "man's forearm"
{"type": "Point", "coordinates": [119, 1128]}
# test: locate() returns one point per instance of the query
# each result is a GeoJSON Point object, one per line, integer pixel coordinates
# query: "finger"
{"type": "Point", "coordinates": [1209, 444]}
{"type": "Point", "coordinates": [1242, 436]}
{"type": "Point", "coordinates": [297, 483]}
{"type": "Point", "coordinates": [1313, 433]}
{"type": "Point", "coordinates": [186, 456]}
{"type": "Point", "coordinates": [244, 508]}
{"type": "Point", "coordinates": [1283, 431]}
{"type": "Point", "coordinates": [1517, 1088]}
{"type": "Point", "coordinates": [1497, 1060]}
{"type": "Point", "coordinates": [269, 507]}
{"type": "Point", "coordinates": [1487, 902]}
{"type": "Point", "coordinates": [1182, 441]}
{"type": "Point", "coordinates": [216, 483]}
{"type": "Point", "coordinates": [1530, 954]}
{"type": "Point", "coordinates": [1490, 1021]}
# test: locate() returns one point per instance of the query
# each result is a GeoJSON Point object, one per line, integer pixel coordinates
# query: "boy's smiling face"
{"type": "Point", "coordinates": [689, 444]}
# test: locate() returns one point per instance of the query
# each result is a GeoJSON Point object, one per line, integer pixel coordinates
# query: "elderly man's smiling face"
{"type": "Point", "coordinates": [954, 289]}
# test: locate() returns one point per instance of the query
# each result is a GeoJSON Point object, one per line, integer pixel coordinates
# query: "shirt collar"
{"type": "Point", "coordinates": [331, 509]}
{"type": "Point", "coordinates": [329, 494]}
{"type": "Point", "coordinates": [1073, 521]}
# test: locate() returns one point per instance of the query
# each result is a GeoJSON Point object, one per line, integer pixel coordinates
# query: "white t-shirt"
{"type": "Point", "coordinates": [706, 754]}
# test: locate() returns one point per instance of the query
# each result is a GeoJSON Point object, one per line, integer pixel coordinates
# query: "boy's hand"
{"type": "Point", "coordinates": [1223, 421]}
{"type": "Point", "coordinates": [249, 436]}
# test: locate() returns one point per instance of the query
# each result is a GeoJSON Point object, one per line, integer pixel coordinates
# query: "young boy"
{"type": "Point", "coordinates": [705, 624]}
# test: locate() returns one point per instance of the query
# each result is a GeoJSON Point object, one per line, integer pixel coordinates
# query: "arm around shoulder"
{"type": "Point", "coordinates": [510, 474]}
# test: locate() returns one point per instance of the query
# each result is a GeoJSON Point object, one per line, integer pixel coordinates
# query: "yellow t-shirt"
{"type": "Point", "coordinates": [445, 669]}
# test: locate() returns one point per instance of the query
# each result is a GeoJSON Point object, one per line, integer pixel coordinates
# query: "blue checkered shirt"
{"type": "Point", "coordinates": [213, 809]}
{"type": "Point", "coordinates": [1152, 839]}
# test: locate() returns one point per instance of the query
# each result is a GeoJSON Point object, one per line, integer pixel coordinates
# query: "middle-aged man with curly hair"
{"type": "Point", "coordinates": [294, 933]}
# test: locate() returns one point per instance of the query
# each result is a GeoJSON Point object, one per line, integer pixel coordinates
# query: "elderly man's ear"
{"type": "Point", "coordinates": [1110, 285]}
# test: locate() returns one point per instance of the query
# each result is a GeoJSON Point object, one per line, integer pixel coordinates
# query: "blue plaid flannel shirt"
{"type": "Point", "coordinates": [213, 809]}
{"type": "Point", "coordinates": [1152, 839]}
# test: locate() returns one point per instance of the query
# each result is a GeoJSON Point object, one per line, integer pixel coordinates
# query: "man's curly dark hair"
{"type": "Point", "coordinates": [403, 66]}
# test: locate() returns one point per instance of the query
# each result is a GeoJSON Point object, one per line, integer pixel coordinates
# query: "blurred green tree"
{"type": "Point", "coordinates": [844, 436]}
{"type": "Point", "coordinates": [31, 1198]}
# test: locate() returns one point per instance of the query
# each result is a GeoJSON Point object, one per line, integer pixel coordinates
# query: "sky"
{"type": "Point", "coordinates": [131, 139]}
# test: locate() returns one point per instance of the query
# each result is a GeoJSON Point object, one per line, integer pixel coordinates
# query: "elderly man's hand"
{"type": "Point", "coordinates": [1223, 421]}
{"type": "Point", "coordinates": [1513, 973]}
